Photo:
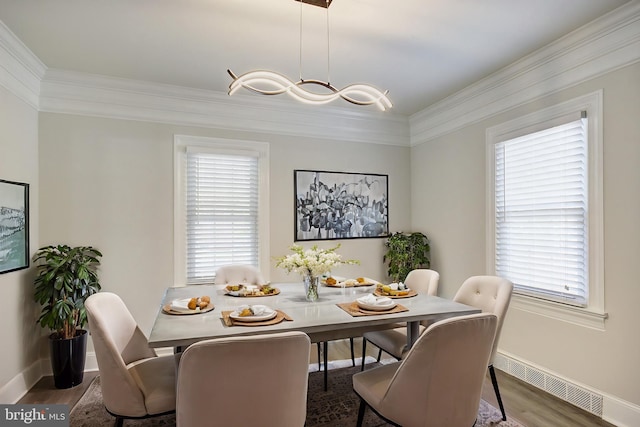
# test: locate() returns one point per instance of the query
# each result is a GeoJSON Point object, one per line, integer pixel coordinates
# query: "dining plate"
{"type": "Point", "coordinates": [350, 283]}
{"type": "Point", "coordinates": [270, 314]}
{"type": "Point", "coordinates": [409, 293]}
{"type": "Point", "coordinates": [167, 308]}
{"type": "Point", "coordinates": [338, 279]}
{"type": "Point", "coordinates": [376, 307]}
{"type": "Point", "coordinates": [250, 292]}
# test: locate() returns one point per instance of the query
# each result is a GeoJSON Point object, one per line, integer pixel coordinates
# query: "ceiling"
{"type": "Point", "coordinates": [421, 51]}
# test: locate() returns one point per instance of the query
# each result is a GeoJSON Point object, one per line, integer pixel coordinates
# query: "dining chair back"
{"type": "Point", "coordinates": [439, 381]}
{"type": "Point", "coordinates": [237, 273]}
{"type": "Point", "coordinates": [491, 294]}
{"type": "Point", "coordinates": [135, 382]}
{"type": "Point", "coordinates": [423, 280]}
{"type": "Point", "coordinates": [258, 380]}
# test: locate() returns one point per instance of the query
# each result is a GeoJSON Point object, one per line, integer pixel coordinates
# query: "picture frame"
{"type": "Point", "coordinates": [14, 226]}
{"type": "Point", "coordinates": [340, 205]}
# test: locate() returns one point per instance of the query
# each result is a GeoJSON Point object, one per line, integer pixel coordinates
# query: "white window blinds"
{"type": "Point", "coordinates": [541, 213]}
{"type": "Point", "coordinates": [221, 212]}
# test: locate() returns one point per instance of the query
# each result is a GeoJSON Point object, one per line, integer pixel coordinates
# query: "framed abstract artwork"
{"type": "Point", "coordinates": [340, 205]}
{"type": "Point", "coordinates": [14, 226]}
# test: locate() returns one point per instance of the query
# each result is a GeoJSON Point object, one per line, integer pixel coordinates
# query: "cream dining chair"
{"type": "Point", "coordinates": [439, 382]}
{"type": "Point", "coordinates": [135, 382]}
{"type": "Point", "coordinates": [394, 341]}
{"type": "Point", "coordinates": [491, 294]}
{"type": "Point", "coordinates": [258, 380]}
{"type": "Point", "coordinates": [237, 273]}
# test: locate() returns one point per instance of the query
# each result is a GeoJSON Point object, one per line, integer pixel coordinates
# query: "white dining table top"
{"type": "Point", "coordinates": [322, 319]}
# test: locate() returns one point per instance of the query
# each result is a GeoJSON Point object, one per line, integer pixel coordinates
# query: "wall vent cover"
{"type": "Point", "coordinates": [561, 388]}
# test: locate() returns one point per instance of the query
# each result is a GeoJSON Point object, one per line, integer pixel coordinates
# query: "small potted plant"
{"type": "Point", "coordinates": [66, 277]}
{"type": "Point", "coordinates": [406, 252]}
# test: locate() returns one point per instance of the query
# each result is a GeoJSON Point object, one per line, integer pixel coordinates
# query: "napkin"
{"type": "Point", "coordinates": [181, 305]}
{"type": "Point", "coordinates": [375, 300]}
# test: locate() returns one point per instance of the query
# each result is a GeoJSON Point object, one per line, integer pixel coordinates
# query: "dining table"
{"type": "Point", "coordinates": [323, 320]}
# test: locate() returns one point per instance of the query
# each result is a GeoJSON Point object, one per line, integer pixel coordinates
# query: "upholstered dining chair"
{"type": "Point", "coordinates": [136, 383]}
{"type": "Point", "coordinates": [439, 382]}
{"type": "Point", "coordinates": [491, 294]}
{"type": "Point", "coordinates": [394, 341]}
{"type": "Point", "coordinates": [258, 380]}
{"type": "Point", "coordinates": [238, 273]}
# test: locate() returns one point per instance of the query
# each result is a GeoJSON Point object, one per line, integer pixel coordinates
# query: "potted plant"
{"type": "Point", "coordinates": [406, 252]}
{"type": "Point", "coordinates": [66, 277]}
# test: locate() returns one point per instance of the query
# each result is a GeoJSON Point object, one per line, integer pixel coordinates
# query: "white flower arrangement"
{"type": "Point", "coordinates": [314, 261]}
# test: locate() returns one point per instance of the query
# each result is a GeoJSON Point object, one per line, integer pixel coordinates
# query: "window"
{"type": "Point", "coordinates": [545, 219]}
{"type": "Point", "coordinates": [220, 206]}
{"type": "Point", "coordinates": [541, 212]}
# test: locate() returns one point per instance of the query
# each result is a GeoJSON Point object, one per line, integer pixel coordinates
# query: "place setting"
{"type": "Point", "coordinates": [394, 290]}
{"type": "Point", "coordinates": [193, 305]}
{"type": "Point", "coordinates": [253, 315]}
{"type": "Point", "coordinates": [371, 305]}
{"type": "Point", "coordinates": [245, 290]}
{"type": "Point", "coordinates": [343, 282]}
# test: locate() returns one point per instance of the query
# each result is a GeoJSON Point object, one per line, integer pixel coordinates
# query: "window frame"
{"type": "Point", "coordinates": [593, 314]}
{"type": "Point", "coordinates": [220, 145]}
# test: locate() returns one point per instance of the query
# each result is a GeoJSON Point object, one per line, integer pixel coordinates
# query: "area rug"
{"type": "Point", "coordinates": [336, 407]}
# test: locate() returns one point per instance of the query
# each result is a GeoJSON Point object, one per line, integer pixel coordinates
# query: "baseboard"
{"type": "Point", "coordinates": [619, 412]}
{"type": "Point", "coordinates": [19, 385]}
{"type": "Point", "coordinates": [337, 364]}
{"type": "Point", "coordinates": [610, 408]}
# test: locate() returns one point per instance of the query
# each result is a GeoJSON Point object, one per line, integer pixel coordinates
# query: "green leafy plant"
{"type": "Point", "coordinates": [66, 277]}
{"type": "Point", "coordinates": [406, 252]}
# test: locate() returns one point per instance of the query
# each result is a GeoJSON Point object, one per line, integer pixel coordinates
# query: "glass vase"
{"type": "Point", "coordinates": [311, 287]}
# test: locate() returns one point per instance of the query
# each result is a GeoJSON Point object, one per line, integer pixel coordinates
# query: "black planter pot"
{"type": "Point", "coordinates": [67, 359]}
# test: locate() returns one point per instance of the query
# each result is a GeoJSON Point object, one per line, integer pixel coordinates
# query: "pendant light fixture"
{"type": "Point", "coordinates": [272, 83]}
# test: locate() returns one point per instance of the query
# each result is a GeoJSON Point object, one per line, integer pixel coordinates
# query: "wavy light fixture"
{"type": "Point", "coordinates": [272, 83]}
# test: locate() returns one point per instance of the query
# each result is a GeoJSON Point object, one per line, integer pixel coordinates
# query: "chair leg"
{"type": "Point", "coordinates": [379, 354]}
{"type": "Point", "coordinates": [119, 422]}
{"type": "Point", "coordinates": [361, 409]}
{"type": "Point", "coordinates": [494, 381]}
{"type": "Point", "coordinates": [325, 346]}
{"type": "Point", "coordinates": [353, 357]}
{"type": "Point", "coordinates": [364, 352]}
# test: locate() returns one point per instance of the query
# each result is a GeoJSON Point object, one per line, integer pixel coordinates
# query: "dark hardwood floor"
{"type": "Point", "coordinates": [527, 404]}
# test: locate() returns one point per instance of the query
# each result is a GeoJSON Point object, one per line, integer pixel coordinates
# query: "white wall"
{"type": "Point", "coordinates": [448, 203]}
{"type": "Point", "coordinates": [19, 162]}
{"type": "Point", "coordinates": [109, 183]}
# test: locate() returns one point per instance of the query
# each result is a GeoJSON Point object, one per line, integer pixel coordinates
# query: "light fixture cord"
{"type": "Point", "coordinates": [328, 50]}
{"type": "Point", "coordinates": [300, 55]}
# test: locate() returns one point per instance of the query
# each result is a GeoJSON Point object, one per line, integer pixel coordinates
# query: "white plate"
{"type": "Point", "coordinates": [268, 315]}
{"type": "Point", "coordinates": [376, 307]}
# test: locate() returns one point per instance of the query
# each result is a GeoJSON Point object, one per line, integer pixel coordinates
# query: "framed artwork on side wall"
{"type": "Point", "coordinates": [340, 205]}
{"type": "Point", "coordinates": [14, 226]}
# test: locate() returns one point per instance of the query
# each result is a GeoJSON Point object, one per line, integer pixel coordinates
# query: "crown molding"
{"type": "Point", "coordinates": [20, 69]}
{"type": "Point", "coordinates": [604, 45]}
{"type": "Point", "coordinates": [72, 92]}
